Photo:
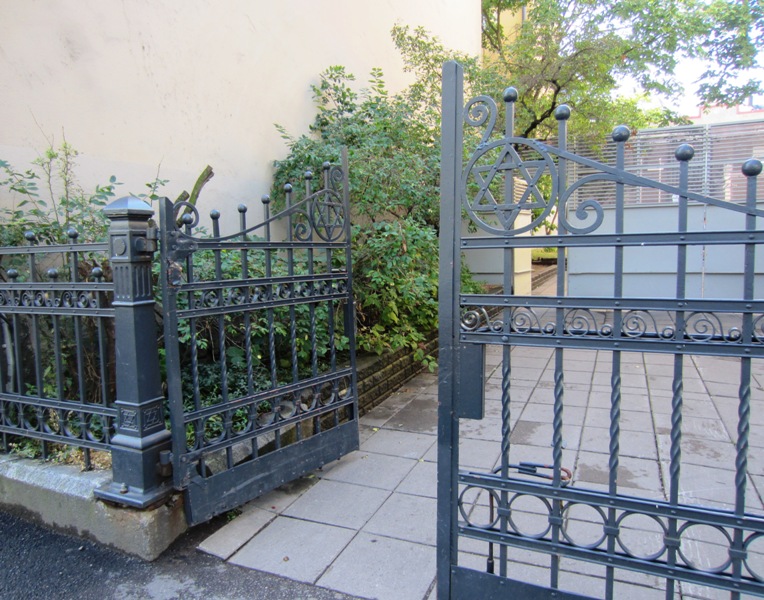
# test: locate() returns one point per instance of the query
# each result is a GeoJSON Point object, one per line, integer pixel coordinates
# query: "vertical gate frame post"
{"type": "Point", "coordinates": [141, 434]}
{"type": "Point", "coordinates": [448, 311]}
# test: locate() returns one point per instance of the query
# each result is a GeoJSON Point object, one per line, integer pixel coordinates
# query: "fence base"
{"type": "Point", "coordinates": [61, 497]}
{"type": "Point", "coordinates": [118, 493]}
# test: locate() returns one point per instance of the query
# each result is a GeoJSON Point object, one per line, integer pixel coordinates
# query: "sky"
{"type": "Point", "coordinates": [688, 71]}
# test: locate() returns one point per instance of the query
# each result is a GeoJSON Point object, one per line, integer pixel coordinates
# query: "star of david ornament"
{"type": "Point", "coordinates": [502, 179]}
{"type": "Point", "coordinates": [327, 214]}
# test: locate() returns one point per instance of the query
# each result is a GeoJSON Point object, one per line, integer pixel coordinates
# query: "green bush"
{"type": "Point", "coordinates": [393, 144]}
{"type": "Point", "coordinates": [47, 199]}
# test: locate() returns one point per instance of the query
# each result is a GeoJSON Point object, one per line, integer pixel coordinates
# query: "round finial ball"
{"type": "Point", "coordinates": [751, 167]}
{"type": "Point", "coordinates": [326, 166]}
{"type": "Point", "coordinates": [266, 199]}
{"type": "Point", "coordinates": [13, 273]}
{"type": "Point", "coordinates": [73, 233]}
{"type": "Point", "coordinates": [97, 272]}
{"type": "Point", "coordinates": [53, 273]}
{"type": "Point", "coordinates": [29, 236]}
{"type": "Point", "coordinates": [288, 187]}
{"type": "Point", "coordinates": [562, 112]}
{"type": "Point", "coordinates": [187, 219]}
{"type": "Point", "coordinates": [510, 94]}
{"type": "Point", "coordinates": [684, 152]}
{"type": "Point", "coordinates": [214, 214]}
{"type": "Point", "coordinates": [308, 175]}
{"type": "Point", "coordinates": [621, 133]}
{"type": "Point", "coordinates": [242, 208]}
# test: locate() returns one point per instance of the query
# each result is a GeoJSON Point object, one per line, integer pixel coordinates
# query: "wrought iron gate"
{"type": "Point", "coordinates": [260, 349]}
{"type": "Point", "coordinates": [529, 524]}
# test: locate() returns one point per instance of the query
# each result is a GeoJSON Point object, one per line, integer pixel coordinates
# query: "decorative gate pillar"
{"type": "Point", "coordinates": [141, 434]}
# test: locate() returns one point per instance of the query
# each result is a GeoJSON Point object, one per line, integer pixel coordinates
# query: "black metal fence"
{"type": "Point", "coordinates": [259, 345]}
{"type": "Point", "coordinates": [256, 357]}
{"type": "Point", "coordinates": [56, 337]}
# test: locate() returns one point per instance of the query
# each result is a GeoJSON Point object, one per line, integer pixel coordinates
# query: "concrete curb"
{"type": "Point", "coordinates": [61, 497]}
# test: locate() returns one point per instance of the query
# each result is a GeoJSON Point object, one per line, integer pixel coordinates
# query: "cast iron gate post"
{"type": "Point", "coordinates": [141, 433]}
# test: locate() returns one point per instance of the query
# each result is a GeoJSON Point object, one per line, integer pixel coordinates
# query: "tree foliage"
{"type": "Point", "coordinates": [578, 51]}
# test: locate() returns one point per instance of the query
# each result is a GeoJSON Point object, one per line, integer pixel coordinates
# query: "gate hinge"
{"type": "Point", "coordinates": [164, 466]}
{"type": "Point", "coordinates": [180, 246]}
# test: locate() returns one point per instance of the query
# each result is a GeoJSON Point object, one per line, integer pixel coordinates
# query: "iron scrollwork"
{"type": "Point", "coordinates": [699, 326]}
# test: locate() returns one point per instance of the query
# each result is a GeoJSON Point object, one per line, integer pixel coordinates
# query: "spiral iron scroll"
{"type": "Point", "coordinates": [699, 326]}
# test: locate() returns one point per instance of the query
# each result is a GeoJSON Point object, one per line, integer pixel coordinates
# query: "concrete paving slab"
{"type": "Point", "coordinates": [527, 373]}
{"type": "Point", "coordinates": [728, 407]}
{"type": "Point", "coordinates": [519, 361]}
{"type": "Point", "coordinates": [299, 550]}
{"type": "Point", "coordinates": [478, 454]}
{"type": "Point", "coordinates": [575, 398]}
{"type": "Point", "coordinates": [403, 396]}
{"type": "Point", "coordinates": [399, 443]}
{"type": "Point", "coordinates": [601, 379]}
{"type": "Point", "coordinates": [535, 433]}
{"type": "Point", "coordinates": [706, 486]}
{"type": "Point", "coordinates": [365, 432]}
{"type": "Point", "coordinates": [690, 384]}
{"type": "Point", "coordinates": [405, 517]}
{"type": "Point", "coordinates": [636, 402]}
{"type": "Point", "coordinates": [582, 377]}
{"type": "Point", "coordinates": [635, 473]}
{"type": "Point", "coordinates": [632, 420]}
{"type": "Point", "coordinates": [425, 381]}
{"type": "Point", "coordinates": [660, 370]}
{"type": "Point", "coordinates": [539, 454]}
{"type": "Point", "coordinates": [704, 428]}
{"type": "Point", "coordinates": [518, 391]}
{"type": "Point", "coordinates": [421, 481]}
{"type": "Point", "coordinates": [367, 468]}
{"type": "Point", "coordinates": [699, 405]}
{"type": "Point", "coordinates": [374, 566]}
{"type": "Point", "coordinates": [633, 380]}
{"type": "Point", "coordinates": [337, 503]}
{"type": "Point", "coordinates": [280, 498]}
{"type": "Point", "coordinates": [578, 363]}
{"type": "Point", "coordinates": [544, 413]}
{"type": "Point", "coordinates": [632, 443]}
{"type": "Point", "coordinates": [420, 416]}
{"type": "Point", "coordinates": [716, 369]}
{"type": "Point", "coordinates": [227, 540]}
{"type": "Point", "coordinates": [485, 429]}
{"type": "Point", "coordinates": [697, 451]}
{"type": "Point", "coordinates": [379, 415]}
{"type": "Point", "coordinates": [475, 454]}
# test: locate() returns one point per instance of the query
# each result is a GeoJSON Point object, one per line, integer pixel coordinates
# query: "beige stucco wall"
{"type": "Point", "coordinates": [138, 85]}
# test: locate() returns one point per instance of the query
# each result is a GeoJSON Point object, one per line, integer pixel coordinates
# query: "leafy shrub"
{"type": "Point", "coordinates": [47, 199]}
{"type": "Point", "coordinates": [393, 146]}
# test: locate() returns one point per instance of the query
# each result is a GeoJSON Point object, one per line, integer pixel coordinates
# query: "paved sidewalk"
{"type": "Point", "coordinates": [365, 525]}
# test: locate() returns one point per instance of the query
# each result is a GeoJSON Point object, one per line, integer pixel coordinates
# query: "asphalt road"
{"type": "Point", "coordinates": [36, 563]}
